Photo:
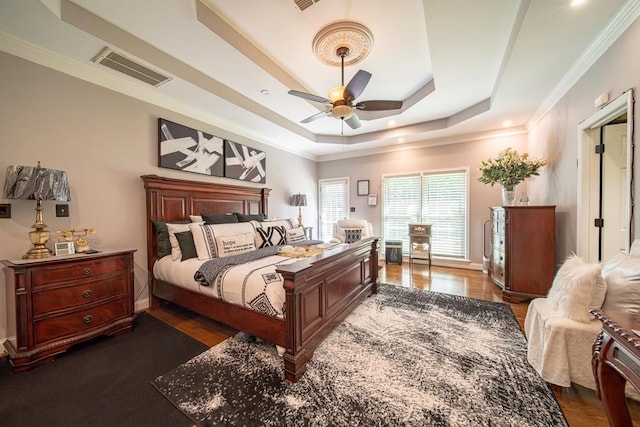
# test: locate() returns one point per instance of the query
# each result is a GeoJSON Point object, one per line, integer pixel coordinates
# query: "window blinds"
{"type": "Point", "coordinates": [436, 198]}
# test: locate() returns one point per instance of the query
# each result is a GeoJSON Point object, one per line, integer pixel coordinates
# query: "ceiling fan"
{"type": "Point", "coordinates": [341, 98]}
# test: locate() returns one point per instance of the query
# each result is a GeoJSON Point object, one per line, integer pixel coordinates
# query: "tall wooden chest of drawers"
{"type": "Point", "coordinates": [522, 259]}
{"type": "Point", "coordinates": [60, 301]}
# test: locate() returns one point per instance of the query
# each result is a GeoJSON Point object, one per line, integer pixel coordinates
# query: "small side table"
{"type": "Point", "coordinates": [616, 360]}
{"type": "Point", "coordinates": [308, 233]}
{"type": "Point", "coordinates": [419, 236]}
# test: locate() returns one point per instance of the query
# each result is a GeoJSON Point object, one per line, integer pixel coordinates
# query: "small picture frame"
{"type": "Point", "coordinates": [372, 199]}
{"type": "Point", "coordinates": [65, 248]}
{"type": "Point", "coordinates": [363, 187]}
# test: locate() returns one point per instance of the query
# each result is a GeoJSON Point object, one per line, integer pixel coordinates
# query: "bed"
{"type": "Point", "coordinates": [320, 291]}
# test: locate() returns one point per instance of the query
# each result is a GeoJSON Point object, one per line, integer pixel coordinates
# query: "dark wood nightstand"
{"type": "Point", "coordinates": [64, 300]}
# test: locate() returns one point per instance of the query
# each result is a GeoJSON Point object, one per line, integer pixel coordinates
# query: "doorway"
{"type": "Point", "coordinates": [605, 169]}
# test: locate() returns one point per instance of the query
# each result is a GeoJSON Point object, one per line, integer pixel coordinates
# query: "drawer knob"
{"type": "Point", "coordinates": [87, 319]}
{"type": "Point", "coordinates": [87, 293]}
{"type": "Point", "coordinates": [86, 271]}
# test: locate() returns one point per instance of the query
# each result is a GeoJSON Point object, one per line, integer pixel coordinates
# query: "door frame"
{"type": "Point", "coordinates": [587, 241]}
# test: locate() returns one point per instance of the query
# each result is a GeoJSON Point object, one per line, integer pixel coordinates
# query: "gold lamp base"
{"type": "Point", "coordinates": [39, 237]}
{"type": "Point", "coordinates": [300, 217]}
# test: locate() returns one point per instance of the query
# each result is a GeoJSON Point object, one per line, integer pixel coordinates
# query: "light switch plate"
{"type": "Point", "coordinates": [62, 210]}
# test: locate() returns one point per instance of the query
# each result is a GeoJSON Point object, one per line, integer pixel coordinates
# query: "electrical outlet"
{"type": "Point", "coordinates": [62, 210]}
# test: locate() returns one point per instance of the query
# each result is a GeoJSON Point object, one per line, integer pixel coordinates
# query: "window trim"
{"type": "Point", "coordinates": [421, 173]}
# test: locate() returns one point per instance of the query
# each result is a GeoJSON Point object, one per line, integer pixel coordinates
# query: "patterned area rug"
{"type": "Point", "coordinates": [403, 357]}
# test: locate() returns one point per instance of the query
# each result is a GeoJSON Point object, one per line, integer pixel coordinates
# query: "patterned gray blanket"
{"type": "Point", "coordinates": [208, 271]}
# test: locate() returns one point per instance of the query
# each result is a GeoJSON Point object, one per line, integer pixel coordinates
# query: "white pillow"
{"type": "Point", "coordinates": [573, 287]}
{"type": "Point", "coordinates": [235, 245]}
{"type": "Point", "coordinates": [622, 274]}
{"type": "Point", "coordinates": [205, 240]}
{"type": "Point", "coordinates": [196, 218]}
{"type": "Point", "coordinates": [286, 223]}
{"type": "Point", "coordinates": [270, 236]}
{"type": "Point", "coordinates": [295, 235]}
{"type": "Point", "coordinates": [176, 254]}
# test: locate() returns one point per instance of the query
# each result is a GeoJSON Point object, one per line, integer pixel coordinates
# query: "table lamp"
{"type": "Point", "coordinates": [299, 200]}
{"type": "Point", "coordinates": [37, 183]}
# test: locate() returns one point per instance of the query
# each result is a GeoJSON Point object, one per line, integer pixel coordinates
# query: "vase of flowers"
{"type": "Point", "coordinates": [509, 169]}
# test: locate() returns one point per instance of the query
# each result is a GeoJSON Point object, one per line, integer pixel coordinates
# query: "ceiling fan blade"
{"type": "Point", "coordinates": [357, 85]}
{"type": "Point", "coordinates": [310, 97]}
{"type": "Point", "coordinates": [316, 116]}
{"type": "Point", "coordinates": [378, 105]}
{"type": "Point", "coordinates": [353, 121]}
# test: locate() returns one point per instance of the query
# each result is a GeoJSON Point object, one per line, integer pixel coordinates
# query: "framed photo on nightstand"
{"type": "Point", "coordinates": [65, 248]}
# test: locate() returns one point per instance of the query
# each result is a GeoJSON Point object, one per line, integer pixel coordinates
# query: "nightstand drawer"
{"type": "Point", "coordinates": [79, 322]}
{"type": "Point", "coordinates": [77, 270]}
{"type": "Point", "coordinates": [79, 294]}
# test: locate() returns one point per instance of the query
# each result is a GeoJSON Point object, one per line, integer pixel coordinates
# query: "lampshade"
{"type": "Point", "coordinates": [36, 183]}
{"type": "Point", "coordinates": [299, 200]}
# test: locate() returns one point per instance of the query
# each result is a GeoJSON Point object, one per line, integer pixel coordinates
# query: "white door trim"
{"type": "Point", "coordinates": [588, 136]}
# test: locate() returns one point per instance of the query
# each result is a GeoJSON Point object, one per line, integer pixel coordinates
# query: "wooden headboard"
{"type": "Point", "coordinates": [172, 199]}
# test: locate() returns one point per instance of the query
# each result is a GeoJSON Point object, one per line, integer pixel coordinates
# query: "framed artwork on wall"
{"type": "Point", "coordinates": [363, 187]}
{"type": "Point", "coordinates": [244, 163]}
{"type": "Point", "coordinates": [190, 150]}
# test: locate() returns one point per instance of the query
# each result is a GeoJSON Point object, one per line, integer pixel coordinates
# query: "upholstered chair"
{"type": "Point", "coordinates": [351, 230]}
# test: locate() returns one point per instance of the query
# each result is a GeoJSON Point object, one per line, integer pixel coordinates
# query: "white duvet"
{"type": "Point", "coordinates": [254, 285]}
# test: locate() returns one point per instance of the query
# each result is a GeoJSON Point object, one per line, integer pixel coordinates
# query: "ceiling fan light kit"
{"type": "Point", "coordinates": [346, 40]}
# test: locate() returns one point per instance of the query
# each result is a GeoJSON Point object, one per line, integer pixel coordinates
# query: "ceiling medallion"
{"type": "Point", "coordinates": [356, 37]}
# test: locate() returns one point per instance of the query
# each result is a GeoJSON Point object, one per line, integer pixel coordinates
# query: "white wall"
{"type": "Point", "coordinates": [460, 155]}
{"type": "Point", "coordinates": [555, 136]}
{"type": "Point", "coordinates": [105, 141]}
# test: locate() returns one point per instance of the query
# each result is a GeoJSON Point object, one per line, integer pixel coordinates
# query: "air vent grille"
{"type": "Point", "coordinates": [118, 62]}
{"type": "Point", "coordinates": [303, 4]}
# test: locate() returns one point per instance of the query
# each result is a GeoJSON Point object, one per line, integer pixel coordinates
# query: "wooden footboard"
{"type": "Point", "coordinates": [320, 293]}
{"type": "Point", "coordinates": [320, 290]}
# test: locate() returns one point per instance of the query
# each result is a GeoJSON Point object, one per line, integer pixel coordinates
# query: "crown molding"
{"type": "Point", "coordinates": [614, 29]}
{"type": "Point", "coordinates": [92, 74]}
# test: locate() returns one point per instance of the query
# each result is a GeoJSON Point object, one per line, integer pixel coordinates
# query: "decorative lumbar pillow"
{"type": "Point", "coordinates": [235, 245]}
{"type": "Point", "coordinates": [219, 218]}
{"type": "Point", "coordinates": [187, 245]}
{"type": "Point", "coordinates": [270, 236]}
{"type": "Point", "coordinates": [295, 235]}
{"type": "Point", "coordinates": [622, 274]}
{"type": "Point", "coordinates": [174, 228]}
{"type": "Point", "coordinates": [204, 240]}
{"type": "Point", "coordinates": [352, 235]}
{"type": "Point", "coordinates": [573, 287]}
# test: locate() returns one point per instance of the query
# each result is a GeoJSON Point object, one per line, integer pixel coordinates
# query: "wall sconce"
{"type": "Point", "coordinates": [299, 200]}
{"type": "Point", "coordinates": [37, 183]}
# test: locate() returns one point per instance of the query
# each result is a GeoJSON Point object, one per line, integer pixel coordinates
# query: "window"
{"type": "Point", "coordinates": [334, 204]}
{"type": "Point", "coordinates": [436, 198]}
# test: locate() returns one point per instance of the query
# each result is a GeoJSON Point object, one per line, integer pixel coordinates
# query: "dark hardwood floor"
{"type": "Point", "coordinates": [580, 405]}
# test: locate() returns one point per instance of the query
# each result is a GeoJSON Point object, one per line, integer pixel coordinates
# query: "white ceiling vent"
{"type": "Point", "coordinates": [128, 66]}
{"type": "Point", "coordinates": [303, 4]}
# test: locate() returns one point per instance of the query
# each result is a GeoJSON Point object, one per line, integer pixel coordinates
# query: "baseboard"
{"type": "Point", "coordinates": [141, 305]}
{"type": "Point", "coordinates": [466, 265]}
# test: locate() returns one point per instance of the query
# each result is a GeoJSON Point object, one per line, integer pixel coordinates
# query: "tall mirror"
{"type": "Point", "coordinates": [605, 181]}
